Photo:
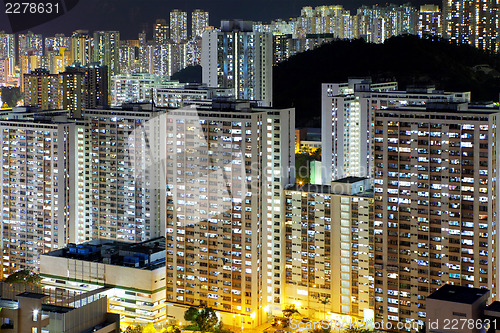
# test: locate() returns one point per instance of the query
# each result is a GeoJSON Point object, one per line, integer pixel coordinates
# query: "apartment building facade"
{"type": "Point", "coordinates": [329, 250]}
{"type": "Point", "coordinates": [222, 248]}
{"type": "Point", "coordinates": [348, 116]}
{"type": "Point", "coordinates": [116, 190]}
{"type": "Point", "coordinates": [36, 201]}
{"type": "Point", "coordinates": [436, 213]}
{"type": "Point", "coordinates": [239, 58]}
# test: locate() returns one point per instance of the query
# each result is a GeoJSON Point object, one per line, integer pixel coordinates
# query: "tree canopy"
{"type": "Point", "coordinates": [10, 95]}
{"type": "Point", "coordinates": [24, 276]}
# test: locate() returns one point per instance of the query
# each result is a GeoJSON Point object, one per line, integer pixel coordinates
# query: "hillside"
{"type": "Point", "coordinates": [407, 59]}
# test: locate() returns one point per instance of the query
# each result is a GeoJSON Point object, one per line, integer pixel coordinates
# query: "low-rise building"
{"type": "Point", "coordinates": [29, 312]}
{"type": "Point", "coordinates": [454, 308]}
{"type": "Point", "coordinates": [133, 274]}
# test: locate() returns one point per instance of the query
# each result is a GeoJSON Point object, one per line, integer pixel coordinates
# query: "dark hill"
{"type": "Point", "coordinates": [190, 74]}
{"type": "Point", "coordinates": [407, 59]}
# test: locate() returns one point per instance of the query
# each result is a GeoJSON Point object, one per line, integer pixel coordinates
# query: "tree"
{"type": "Point", "coordinates": [11, 95]}
{"type": "Point", "coordinates": [288, 312]}
{"type": "Point", "coordinates": [135, 329]}
{"type": "Point", "coordinates": [324, 301]}
{"type": "Point", "coordinates": [191, 314]}
{"type": "Point", "coordinates": [24, 276]}
{"type": "Point", "coordinates": [220, 328]}
{"type": "Point", "coordinates": [173, 329]}
{"type": "Point", "coordinates": [149, 328]}
{"type": "Point", "coordinates": [207, 320]}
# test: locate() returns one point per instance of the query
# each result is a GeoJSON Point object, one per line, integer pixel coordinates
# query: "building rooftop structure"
{"type": "Point", "coordinates": [494, 307]}
{"type": "Point", "coordinates": [350, 180]}
{"type": "Point", "coordinates": [358, 186]}
{"type": "Point", "coordinates": [458, 294]}
{"type": "Point", "coordinates": [148, 255]}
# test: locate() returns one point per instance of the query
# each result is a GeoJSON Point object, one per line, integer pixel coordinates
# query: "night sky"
{"type": "Point", "coordinates": [128, 16]}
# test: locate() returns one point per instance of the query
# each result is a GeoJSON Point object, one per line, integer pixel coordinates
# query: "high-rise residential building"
{"type": "Point", "coordinates": [406, 20]}
{"type": "Point", "coordinates": [347, 121]}
{"type": "Point", "coordinates": [161, 32]}
{"type": "Point", "coordinates": [56, 42]}
{"type": "Point", "coordinates": [179, 95]}
{"type": "Point", "coordinates": [177, 57]}
{"type": "Point", "coordinates": [284, 46]}
{"type": "Point", "coordinates": [27, 65]}
{"type": "Point", "coordinates": [178, 26]}
{"type": "Point", "coordinates": [84, 87]}
{"type": "Point", "coordinates": [36, 200]}
{"type": "Point", "coordinates": [345, 128]}
{"type": "Point", "coordinates": [4, 74]}
{"type": "Point", "coordinates": [474, 22]}
{"type": "Point", "coordinates": [147, 57]}
{"type": "Point", "coordinates": [29, 44]}
{"type": "Point", "coordinates": [223, 249]}
{"type": "Point", "coordinates": [57, 60]}
{"type": "Point", "coordinates": [430, 21]}
{"type": "Point", "coordinates": [8, 52]}
{"type": "Point", "coordinates": [193, 52]}
{"type": "Point", "coordinates": [81, 47]}
{"type": "Point", "coordinates": [106, 50]}
{"type": "Point", "coordinates": [136, 88]}
{"type": "Point", "coordinates": [436, 204]}
{"type": "Point", "coordinates": [129, 62]}
{"type": "Point", "coordinates": [41, 89]}
{"type": "Point", "coordinates": [329, 249]}
{"type": "Point", "coordinates": [116, 189]}
{"type": "Point", "coordinates": [240, 59]}
{"type": "Point", "coordinates": [199, 22]}
{"type": "Point", "coordinates": [376, 24]}
{"type": "Point", "coordinates": [7, 45]}
{"type": "Point", "coordinates": [163, 60]}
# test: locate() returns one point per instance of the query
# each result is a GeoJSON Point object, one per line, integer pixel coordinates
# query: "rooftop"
{"type": "Point", "coordinates": [458, 294]}
{"type": "Point", "coordinates": [56, 308]}
{"type": "Point", "coordinates": [32, 295]}
{"type": "Point", "coordinates": [326, 189]}
{"type": "Point", "coordinates": [494, 307]}
{"type": "Point", "coordinates": [9, 304]}
{"type": "Point", "coordinates": [148, 255]}
{"type": "Point", "coordinates": [350, 180]}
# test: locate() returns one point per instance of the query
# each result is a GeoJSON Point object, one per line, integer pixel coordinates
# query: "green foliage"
{"type": "Point", "coordinates": [207, 320]}
{"type": "Point", "coordinates": [204, 320]}
{"type": "Point", "coordinates": [191, 314]}
{"type": "Point", "coordinates": [11, 95]}
{"type": "Point", "coordinates": [135, 329]}
{"type": "Point", "coordinates": [302, 165]}
{"type": "Point", "coordinates": [289, 311]}
{"type": "Point", "coordinates": [173, 329]}
{"type": "Point", "coordinates": [220, 328]}
{"type": "Point", "coordinates": [24, 276]}
{"type": "Point", "coordinates": [325, 300]}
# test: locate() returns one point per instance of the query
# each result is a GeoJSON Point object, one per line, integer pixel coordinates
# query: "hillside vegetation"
{"type": "Point", "coordinates": [406, 59]}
